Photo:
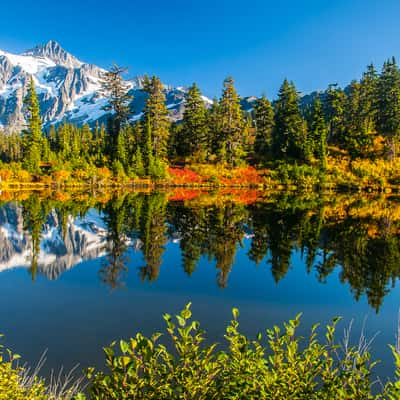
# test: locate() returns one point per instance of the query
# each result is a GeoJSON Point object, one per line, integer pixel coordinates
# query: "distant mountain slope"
{"type": "Point", "coordinates": [67, 88]}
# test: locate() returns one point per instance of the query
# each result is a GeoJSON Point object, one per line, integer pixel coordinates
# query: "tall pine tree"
{"type": "Point", "coordinates": [357, 137]}
{"type": "Point", "coordinates": [231, 124]}
{"type": "Point", "coordinates": [334, 110]}
{"type": "Point", "coordinates": [117, 91]}
{"type": "Point", "coordinates": [317, 132]}
{"type": "Point", "coordinates": [194, 133]}
{"type": "Point", "coordinates": [156, 116]}
{"type": "Point", "coordinates": [32, 136]}
{"type": "Point", "coordinates": [214, 128]}
{"type": "Point", "coordinates": [369, 98]}
{"type": "Point", "coordinates": [288, 137]}
{"type": "Point", "coordinates": [388, 121]}
{"type": "Point", "coordinates": [264, 123]}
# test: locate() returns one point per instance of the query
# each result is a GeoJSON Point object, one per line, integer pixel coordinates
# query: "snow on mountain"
{"type": "Point", "coordinates": [28, 63]}
{"type": "Point", "coordinates": [68, 89]}
{"type": "Point", "coordinates": [54, 52]}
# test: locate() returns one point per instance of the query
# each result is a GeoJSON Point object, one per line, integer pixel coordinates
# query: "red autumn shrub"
{"type": "Point", "coordinates": [184, 176]}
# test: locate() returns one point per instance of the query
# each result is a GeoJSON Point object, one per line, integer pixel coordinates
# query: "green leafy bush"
{"type": "Point", "coordinates": [278, 365]}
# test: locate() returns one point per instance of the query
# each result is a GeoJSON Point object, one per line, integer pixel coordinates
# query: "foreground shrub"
{"type": "Point", "coordinates": [22, 383]}
{"type": "Point", "coordinates": [279, 365]}
{"type": "Point", "coordinates": [12, 386]}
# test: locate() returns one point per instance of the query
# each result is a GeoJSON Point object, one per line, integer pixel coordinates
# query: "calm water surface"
{"type": "Point", "coordinates": [77, 274]}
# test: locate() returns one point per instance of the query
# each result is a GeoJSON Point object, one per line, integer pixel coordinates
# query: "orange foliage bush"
{"type": "Point", "coordinates": [5, 174]}
{"type": "Point", "coordinates": [184, 176]}
{"type": "Point", "coordinates": [242, 176]}
{"type": "Point", "coordinates": [104, 173]}
{"type": "Point", "coordinates": [61, 176]}
{"type": "Point", "coordinates": [219, 174]}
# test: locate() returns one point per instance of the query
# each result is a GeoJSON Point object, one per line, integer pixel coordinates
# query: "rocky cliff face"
{"type": "Point", "coordinates": [54, 52]}
{"type": "Point", "coordinates": [60, 79]}
{"type": "Point", "coordinates": [67, 88]}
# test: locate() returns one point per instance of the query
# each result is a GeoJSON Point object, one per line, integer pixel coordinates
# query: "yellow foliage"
{"type": "Point", "coordinates": [61, 176]}
{"type": "Point", "coordinates": [11, 387]}
{"type": "Point", "coordinates": [104, 173]}
{"type": "Point", "coordinates": [5, 174]}
{"type": "Point", "coordinates": [22, 176]}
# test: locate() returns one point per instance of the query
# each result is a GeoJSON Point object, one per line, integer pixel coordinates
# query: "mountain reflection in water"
{"type": "Point", "coordinates": [357, 235]}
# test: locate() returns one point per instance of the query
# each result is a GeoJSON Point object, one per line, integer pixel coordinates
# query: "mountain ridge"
{"type": "Point", "coordinates": [68, 89]}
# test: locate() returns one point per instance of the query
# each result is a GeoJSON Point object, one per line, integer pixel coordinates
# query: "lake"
{"type": "Point", "coordinates": [78, 271]}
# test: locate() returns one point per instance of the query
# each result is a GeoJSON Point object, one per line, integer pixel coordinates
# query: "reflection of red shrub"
{"type": "Point", "coordinates": [184, 194]}
{"type": "Point", "coordinates": [242, 196]}
{"type": "Point", "coordinates": [182, 176]}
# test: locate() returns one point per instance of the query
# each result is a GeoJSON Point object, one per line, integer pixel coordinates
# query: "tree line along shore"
{"type": "Point", "coordinates": [337, 138]}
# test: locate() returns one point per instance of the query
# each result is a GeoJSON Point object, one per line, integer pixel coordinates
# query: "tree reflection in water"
{"type": "Point", "coordinates": [358, 235]}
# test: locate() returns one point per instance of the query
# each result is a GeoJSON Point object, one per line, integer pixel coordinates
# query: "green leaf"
{"type": "Point", "coordinates": [125, 360]}
{"type": "Point", "coordinates": [79, 396]}
{"type": "Point", "coordinates": [124, 346]}
{"type": "Point", "coordinates": [181, 320]}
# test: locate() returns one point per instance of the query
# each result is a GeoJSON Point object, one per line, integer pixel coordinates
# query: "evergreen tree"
{"type": "Point", "coordinates": [231, 125]}
{"type": "Point", "coordinates": [99, 144]}
{"type": "Point", "coordinates": [264, 122]}
{"type": "Point", "coordinates": [356, 138]}
{"type": "Point", "coordinates": [115, 262]}
{"type": "Point", "coordinates": [153, 235]}
{"type": "Point", "coordinates": [117, 92]}
{"type": "Point", "coordinates": [194, 133]}
{"type": "Point", "coordinates": [121, 149]}
{"type": "Point", "coordinates": [53, 138]}
{"type": "Point", "coordinates": [289, 133]}
{"type": "Point", "coordinates": [34, 216]}
{"type": "Point", "coordinates": [177, 144]}
{"type": "Point", "coordinates": [86, 141]}
{"type": "Point", "coordinates": [148, 146]}
{"type": "Point", "coordinates": [64, 140]}
{"type": "Point", "coordinates": [388, 121]}
{"type": "Point", "coordinates": [75, 143]}
{"type": "Point", "coordinates": [248, 133]}
{"type": "Point", "coordinates": [317, 132]}
{"type": "Point", "coordinates": [10, 147]}
{"type": "Point", "coordinates": [156, 116]}
{"type": "Point", "coordinates": [138, 167]}
{"type": "Point", "coordinates": [369, 98]}
{"type": "Point", "coordinates": [214, 127]}
{"type": "Point", "coordinates": [130, 134]}
{"type": "Point", "coordinates": [45, 150]}
{"type": "Point", "coordinates": [32, 136]}
{"type": "Point", "coordinates": [334, 111]}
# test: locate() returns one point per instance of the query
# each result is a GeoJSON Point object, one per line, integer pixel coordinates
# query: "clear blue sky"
{"type": "Point", "coordinates": [258, 42]}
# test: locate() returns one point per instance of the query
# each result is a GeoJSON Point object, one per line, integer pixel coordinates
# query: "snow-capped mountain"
{"type": "Point", "coordinates": [67, 88]}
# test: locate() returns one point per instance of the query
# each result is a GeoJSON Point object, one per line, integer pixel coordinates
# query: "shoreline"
{"type": "Point", "coordinates": [156, 185]}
